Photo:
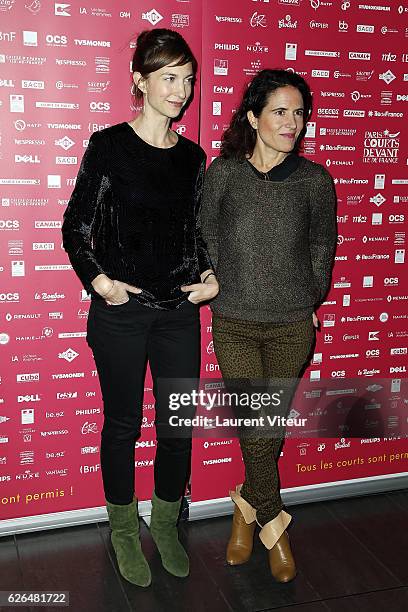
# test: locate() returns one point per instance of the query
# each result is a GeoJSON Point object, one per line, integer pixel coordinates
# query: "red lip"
{"type": "Point", "coordinates": [288, 135]}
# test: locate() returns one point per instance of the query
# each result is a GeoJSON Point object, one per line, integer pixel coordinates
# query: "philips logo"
{"type": "Point", "coordinates": [226, 47]}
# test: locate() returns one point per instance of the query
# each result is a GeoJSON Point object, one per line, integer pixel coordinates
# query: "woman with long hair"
{"type": "Point", "coordinates": [132, 234]}
{"type": "Point", "coordinates": [269, 220]}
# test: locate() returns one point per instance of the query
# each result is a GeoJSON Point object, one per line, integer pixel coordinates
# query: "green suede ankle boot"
{"type": "Point", "coordinates": [163, 527]}
{"type": "Point", "coordinates": [124, 522]}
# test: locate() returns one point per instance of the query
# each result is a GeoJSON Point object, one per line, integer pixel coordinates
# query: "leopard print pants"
{"type": "Point", "coordinates": [253, 350]}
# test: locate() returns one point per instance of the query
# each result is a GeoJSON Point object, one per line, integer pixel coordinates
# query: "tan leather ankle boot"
{"type": "Point", "coordinates": [241, 541]}
{"type": "Point", "coordinates": [276, 540]}
{"type": "Point", "coordinates": [281, 561]}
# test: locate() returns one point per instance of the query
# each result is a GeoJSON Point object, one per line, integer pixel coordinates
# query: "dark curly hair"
{"type": "Point", "coordinates": [157, 48]}
{"type": "Point", "coordinates": [238, 141]}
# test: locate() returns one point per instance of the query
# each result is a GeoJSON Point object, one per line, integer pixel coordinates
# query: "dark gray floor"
{"type": "Point", "coordinates": [351, 555]}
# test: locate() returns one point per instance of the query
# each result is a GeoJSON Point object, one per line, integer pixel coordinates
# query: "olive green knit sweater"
{"type": "Point", "coordinates": [271, 242]}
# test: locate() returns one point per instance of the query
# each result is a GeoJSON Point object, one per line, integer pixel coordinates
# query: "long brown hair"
{"type": "Point", "coordinates": [238, 141]}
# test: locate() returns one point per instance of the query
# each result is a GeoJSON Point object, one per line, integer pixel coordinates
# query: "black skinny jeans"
{"type": "Point", "coordinates": [122, 339]}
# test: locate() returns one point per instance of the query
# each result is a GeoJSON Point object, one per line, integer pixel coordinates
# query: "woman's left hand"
{"type": "Point", "coordinates": [316, 321]}
{"type": "Point", "coordinates": [202, 292]}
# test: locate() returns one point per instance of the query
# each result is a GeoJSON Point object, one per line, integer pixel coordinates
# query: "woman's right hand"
{"type": "Point", "coordinates": [114, 292]}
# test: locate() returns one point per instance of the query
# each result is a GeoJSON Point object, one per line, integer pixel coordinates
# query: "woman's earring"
{"type": "Point", "coordinates": [133, 89]}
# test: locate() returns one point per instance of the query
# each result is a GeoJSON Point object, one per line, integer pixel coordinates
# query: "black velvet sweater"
{"type": "Point", "coordinates": [133, 216]}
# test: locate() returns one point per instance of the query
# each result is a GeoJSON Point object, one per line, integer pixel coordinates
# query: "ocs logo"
{"type": "Point", "coordinates": [9, 297]}
{"type": "Point", "coordinates": [396, 218]}
{"type": "Point", "coordinates": [373, 353]}
{"type": "Point", "coordinates": [101, 107]}
{"type": "Point", "coordinates": [338, 374]}
{"type": "Point", "coordinates": [391, 280]}
{"type": "Point", "coordinates": [56, 39]}
{"type": "Point", "coordinates": [9, 224]}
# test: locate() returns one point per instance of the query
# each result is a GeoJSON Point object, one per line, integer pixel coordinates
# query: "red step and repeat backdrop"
{"type": "Point", "coordinates": [354, 56]}
{"type": "Point", "coordinates": [64, 73]}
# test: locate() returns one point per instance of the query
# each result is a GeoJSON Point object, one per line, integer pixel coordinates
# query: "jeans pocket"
{"type": "Point", "coordinates": [117, 306]}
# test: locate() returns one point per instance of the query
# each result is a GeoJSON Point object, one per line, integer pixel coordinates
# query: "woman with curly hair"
{"type": "Point", "coordinates": [269, 220]}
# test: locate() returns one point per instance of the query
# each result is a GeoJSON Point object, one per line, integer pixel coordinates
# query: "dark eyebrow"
{"type": "Point", "coordinates": [284, 108]}
{"type": "Point", "coordinates": [173, 74]}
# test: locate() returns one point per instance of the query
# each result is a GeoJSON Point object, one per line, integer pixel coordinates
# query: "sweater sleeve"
{"type": "Point", "coordinates": [214, 185]}
{"type": "Point", "coordinates": [204, 259]}
{"type": "Point", "coordinates": [81, 213]}
{"type": "Point", "coordinates": [322, 231]}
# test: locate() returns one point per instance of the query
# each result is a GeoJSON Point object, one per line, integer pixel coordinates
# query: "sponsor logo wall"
{"type": "Point", "coordinates": [353, 55]}
{"type": "Point", "coordinates": [60, 73]}
{"type": "Point", "coordinates": [64, 73]}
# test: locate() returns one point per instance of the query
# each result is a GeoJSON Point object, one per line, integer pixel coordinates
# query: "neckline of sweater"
{"type": "Point", "coordinates": [294, 177]}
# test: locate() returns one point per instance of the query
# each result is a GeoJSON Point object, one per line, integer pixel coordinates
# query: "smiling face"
{"type": "Point", "coordinates": [280, 121]}
{"type": "Point", "coordinates": [166, 90]}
